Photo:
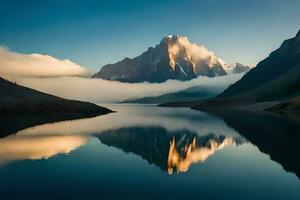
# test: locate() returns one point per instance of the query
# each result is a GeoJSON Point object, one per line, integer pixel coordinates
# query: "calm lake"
{"type": "Point", "coordinates": [149, 152]}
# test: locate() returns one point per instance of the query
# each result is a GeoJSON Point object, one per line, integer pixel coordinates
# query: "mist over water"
{"type": "Point", "coordinates": [104, 91]}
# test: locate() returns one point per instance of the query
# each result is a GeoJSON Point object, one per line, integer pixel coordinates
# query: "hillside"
{"type": "Point", "coordinates": [276, 78]}
{"type": "Point", "coordinates": [16, 99]}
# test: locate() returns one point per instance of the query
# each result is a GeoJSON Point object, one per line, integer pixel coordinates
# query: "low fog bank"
{"type": "Point", "coordinates": [104, 91]}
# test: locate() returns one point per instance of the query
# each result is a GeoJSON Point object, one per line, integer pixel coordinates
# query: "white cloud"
{"type": "Point", "coordinates": [101, 91]}
{"type": "Point", "coordinates": [14, 64]}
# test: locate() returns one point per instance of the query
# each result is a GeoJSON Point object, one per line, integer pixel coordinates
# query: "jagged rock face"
{"type": "Point", "coordinates": [174, 58]}
{"type": "Point", "coordinates": [240, 68]}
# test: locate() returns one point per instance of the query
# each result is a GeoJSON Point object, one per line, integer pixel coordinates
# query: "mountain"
{"type": "Point", "coordinates": [240, 68]}
{"type": "Point", "coordinates": [276, 78]}
{"type": "Point", "coordinates": [16, 99]}
{"type": "Point", "coordinates": [237, 68]}
{"type": "Point", "coordinates": [173, 58]}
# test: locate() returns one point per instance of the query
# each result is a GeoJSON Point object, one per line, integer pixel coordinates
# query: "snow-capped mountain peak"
{"type": "Point", "coordinates": [175, 57]}
{"type": "Point", "coordinates": [182, 50]}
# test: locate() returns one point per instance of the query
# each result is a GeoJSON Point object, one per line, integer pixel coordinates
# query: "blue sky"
{"type": "Point", "coordinates": [93, 33]}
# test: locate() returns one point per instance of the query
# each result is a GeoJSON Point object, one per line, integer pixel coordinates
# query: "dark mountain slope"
{"type": "Point", "coordinates": [276, 73]}
{"type": "Point", "coordinates": [16, 99]}
{"type": "Point", "coordinates": [276, 78]}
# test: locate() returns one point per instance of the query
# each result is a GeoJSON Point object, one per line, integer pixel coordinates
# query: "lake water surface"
{"type": "Point", "coordinates": [149, 152]}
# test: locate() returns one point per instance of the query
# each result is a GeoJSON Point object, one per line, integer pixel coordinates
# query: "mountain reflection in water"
{"type": "Point", "coordinates": [182, 158]}
{"type": "Point", "coordinates": [167, 149]}
{"type": "Point", "coordinates": [231, 156]}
